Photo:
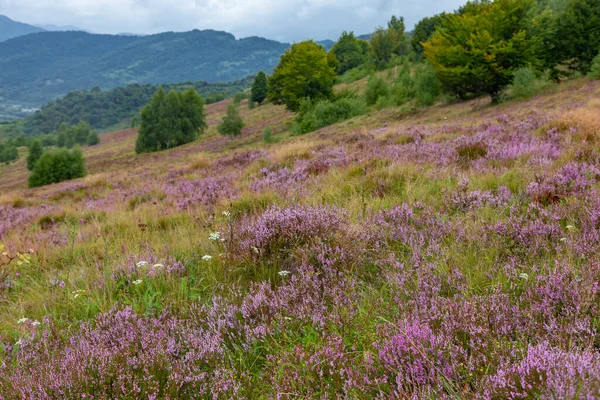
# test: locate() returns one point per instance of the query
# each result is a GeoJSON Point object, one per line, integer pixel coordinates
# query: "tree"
{"type": "Point", "coordinates": [259, 88]}
{"type": "Point", "coordinates": [232, 124]}
{"type": "Point", "coordinates": [35, 152]}
{"type": "Point", "coordinates": [477, 51]}
{"type": "Point", "coordinates": [397, 26]}
{"type": "Point", "coordinates": [93, 139]}
{"type": "Point", "coordinates": [170, 120]}
{"type": "Point", "coordinates": [424, 30]}
{"type": "Point", "coordinates": [349, 52]}
{"type": "Point", "coordinates": [56, 166]}
{"type": "Point", "coordinates": [577, 34]}
{"type": "Point", "coordinates": [384, 43]}
{"type": "Point", "coordinates": [303, 72]}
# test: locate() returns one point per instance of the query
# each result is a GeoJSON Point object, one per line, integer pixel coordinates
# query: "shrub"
{"type": "Point", "coordinates": [315, 116]}
{"type": "Point", "coordinates": [93, 139]}
{"type": "Point", "coordinates": [232, 123]}
{"type": "Point", "coordinates": [268, 135]}
{"type": "Point", "coordinates": [526, 84]}
{"type": "Point", "coordinates": [376, 88]}
{"type": "Point", "coordinates": [427, 86]}
{"type": "Point", "coordinates": [57, 166]}
{"type": "Point", "coordinates": [259, 88]}
{"type": "Point", "coordinates": [35, 152]}
{"type": "Point", "coordinates": [595, 68]}
{"type": "Point", "coordinates": [8, 152]}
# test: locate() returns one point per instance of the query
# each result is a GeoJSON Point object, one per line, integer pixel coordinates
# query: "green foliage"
{"type": "Point", "coordinates": [397, 26]}
{"type": "Point", "coordinates": [424, 30]}
{"type": "Point", "coordinates": [478, 51]}
{"type": "Point", "coordinates": [349, 52]}
{"type": "Point", "coordinates": [577, 34]}
{"type": "Point", "coordinates": [103, 109]}
{"type": "Point", "coordinates": [313, 116]}
{"type": "Point", "coordinates": [56, 166]}
{"type": "Point", "coordinates": [232, 124]}
{"type": "Point", "coordinates": [358, 73]}
{"type": "Point", "coordinates": [526, 83]}
{"type": "Point", "coordinates": [303, 72]}
{"type": "Point", "coordinates": [383, 42]}
{"type": "Point", "coordinates": [8, 152]}
{"type": "Point", "coordinates": [93, 139]}
{"type": "Point", "coordinates": [376, 88]}
{"type": "Point", "coordinates": [428, 87]}
{"type": "Point", "coordinates": [259, 88]}
{"type": "Point", "coordinates": [170, 120]}
{"type": "Point", "coordinates": [595, 68]}
{"type": "Point", "coordinates": [268, 136]}
{"type": "Point", "coordinates": [35, 152]}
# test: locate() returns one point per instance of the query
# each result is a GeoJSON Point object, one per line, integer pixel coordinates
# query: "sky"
{"type": "Point", "coordinates": [283, 20]}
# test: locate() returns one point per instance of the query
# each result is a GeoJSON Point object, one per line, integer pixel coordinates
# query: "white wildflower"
{"type": "Point", "coordinates": [207, 257]}
{"type": "Point", "coordinates": [158, 266]}
{"type": "Point", "coordinates": [142, 264]}
{"type": "Point", "coordinates": [523, 275]}
{"type": "Point", "coordinates": [22, 320]}
{"type": "Point", "coordinates": [19, 342]}
{"type": "Point", "coordinates": [563, 239]}
{"type": "Point", "coordinates": [214, 236]}
{"type": "Point", "coordinates": [570, 227]}
{"type": "Point", "coordinates": [138, 282]}
{"type": "Point", "coordinates": [226, 214]}
{"type": "Point", "coordinates": [284, 273]}
{"type": "Point", "coordinates": [36, 323]}
{"type": "Point", "coordinates": [255, 249]}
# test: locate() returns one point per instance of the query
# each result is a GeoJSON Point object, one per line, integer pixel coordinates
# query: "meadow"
{"type": "Point", "coordinates": [442, 252]}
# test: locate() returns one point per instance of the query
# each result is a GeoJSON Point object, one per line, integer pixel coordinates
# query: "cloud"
{"type": "Point", "coordinates": [291, 20]}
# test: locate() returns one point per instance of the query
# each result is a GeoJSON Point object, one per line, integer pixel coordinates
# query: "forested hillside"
{"type": "Point", "coordinates": [40, 67]}
{"type": "Point", "coordinates": [102, 109]}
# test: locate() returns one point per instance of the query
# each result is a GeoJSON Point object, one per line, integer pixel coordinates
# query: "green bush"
{"type": "Point", "coordinates": [35, 152]}
{"type": "Point", "coordinates": [526, 84]}
{"type": "Point", "coordinates": [232, 123]}
{"type": "Point", "coordinates": [595, 69]}
{"type": "Point", "coordinates": [8, 153]}
{"type": "Point", "coordinates": [427, 86]}
{"type": "Point", "coordinates": [268, 136]}
{"type": "Point", "coordinates": [56, 166]}
{"type": "Point", "coordinates": [376, 88]}
{"type": "Point", "coordinates": [93, 139]}
{"type": "Point", "coordinates": [315, 116]}
{"type": "Point", "coordinates": [357, 73]}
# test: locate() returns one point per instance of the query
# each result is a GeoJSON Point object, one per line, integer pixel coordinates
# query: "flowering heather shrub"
{"type": "Point", "coordinates": [12, 217]}
{"type": "Point", "coordinates": [188, 194]}
{"type": "Point", "coordinates": [283, 180]}
{"type": "Point", "coordinates": [463, 200]}
{"type": "Point", "coordinates": [241, 159]}
{"type": "Point", "coordinates": [284, 228]}
{"type": "Point", "coordinates": [572, 179]}
{"type": "Point", "coordinates": [547, 372]}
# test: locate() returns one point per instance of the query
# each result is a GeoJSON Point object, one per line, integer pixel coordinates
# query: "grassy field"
{"type": "Point", "coordinates": [445, 252]}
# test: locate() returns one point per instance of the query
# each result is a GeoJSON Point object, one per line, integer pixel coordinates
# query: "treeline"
{"type": "Point", "coordinates": [103, 109]}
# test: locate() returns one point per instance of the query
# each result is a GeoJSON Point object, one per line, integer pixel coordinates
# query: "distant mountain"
{"type": "Point", "coordinates": [327, 44]}
{"type": "Point", "coordinates": [35, 69]}
{"type": "Point", "coordinates": [60, 28]}
{"type": "Point", "coordinates": [11, 29]}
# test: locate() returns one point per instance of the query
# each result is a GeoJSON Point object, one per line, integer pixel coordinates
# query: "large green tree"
{"type": "Point", "coordinates": [170, 120]}
{"type": "Point", "coordinates": [258, 93]}
{"type": "Point", "coordinates": [577, 34]}
{"type": "Point", "coordinates": [384, 43]}
{"type": "Point", "coordinates": [424, 30]}
{"type": "Point", "coordinates": [349, 52]}
{"type": "Point", "coordinates": [303, 71]}
{"type": "Point", "coordinates": [478, 50]}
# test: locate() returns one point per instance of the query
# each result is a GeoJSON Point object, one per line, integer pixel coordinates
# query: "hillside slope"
{"type": "Point", "coordinates": [37, 68]}
{"type": "Point", "coordinates": [10, 29]}
{"type": "Point", "coordinates": [449, 252]}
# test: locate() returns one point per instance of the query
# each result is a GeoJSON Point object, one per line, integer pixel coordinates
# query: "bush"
{"type": "Point", "coordinates": [232, 123]}
{"type": "Point", "coordinates": [526, 84]}
{"type": "Point", "coordinates": [35, 152]}
{"type": "Point", "coordinates": [93, 139]}
{"type": "Point", "coordinates": [315, 116]}
{"type": "Point", "coordinates": [427, 86]}
{"type": "Point", "coordinates": [8, 153]}
{"type": "Point", "coordinates": [259, 88]}
{"type": "Point", "coordinates": [357, 73]}
{"type": "Point", "coordinates": [376, 88]}
{"type": "Point", "coordinates": [57, 166]}
{"type": "Point", "coordinates": [595, 69]}
{"type": "Point", "coordinates": [268, 135]}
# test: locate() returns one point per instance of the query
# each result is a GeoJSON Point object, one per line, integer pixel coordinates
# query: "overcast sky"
{"type": "Point", "coordinates": [283, 20]}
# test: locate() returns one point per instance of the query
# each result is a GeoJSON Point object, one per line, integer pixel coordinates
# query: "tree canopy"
{"type": "Point", "coordinates": [349, 52]}
{"type": "Point", "coordinates": [170, 120]}
{"type": "Point", "coordinates": [303, 72]}
{"type": "Point", "coordinates": [259, 88]}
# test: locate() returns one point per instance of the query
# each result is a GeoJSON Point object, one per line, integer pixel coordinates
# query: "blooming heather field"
{"type": "Point", "coordinates": [450, 253]}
